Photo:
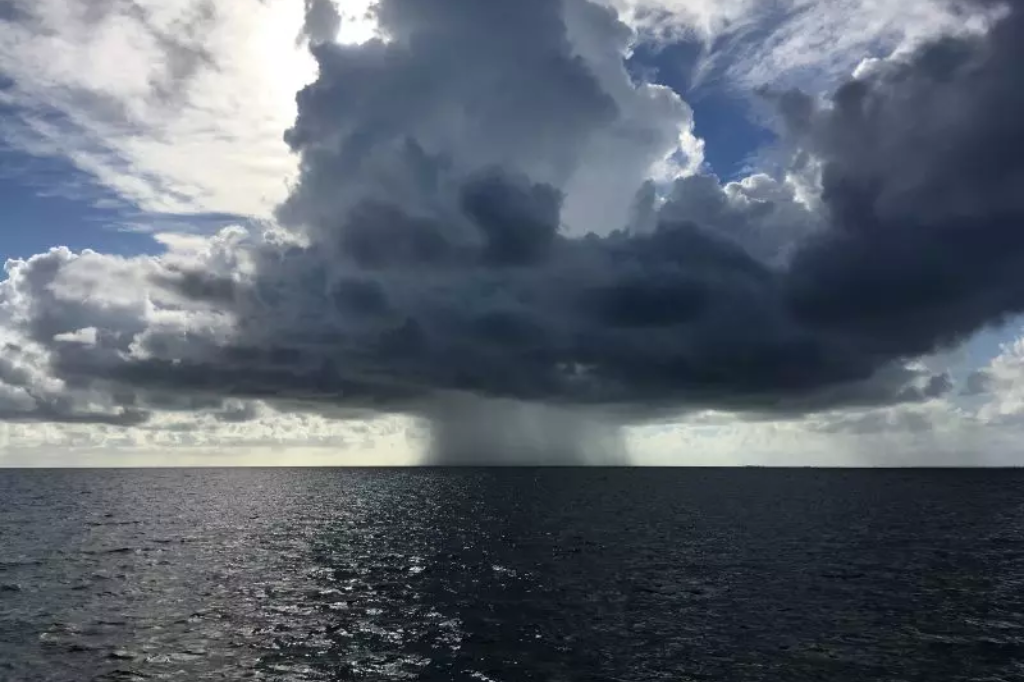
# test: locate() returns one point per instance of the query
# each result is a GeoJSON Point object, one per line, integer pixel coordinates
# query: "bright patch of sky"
{"type": "Point", "coordinates": [357, 22]}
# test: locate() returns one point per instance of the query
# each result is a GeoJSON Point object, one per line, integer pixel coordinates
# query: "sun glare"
{"type": "Point", "coordinates": [358, 24]}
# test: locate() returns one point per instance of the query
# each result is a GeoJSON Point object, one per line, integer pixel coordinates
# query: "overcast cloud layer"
{"type": "Point", "coordinates": [487, 205]}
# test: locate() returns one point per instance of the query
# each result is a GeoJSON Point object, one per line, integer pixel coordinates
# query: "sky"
{"type": "Point", "coordinates": [665, 232]}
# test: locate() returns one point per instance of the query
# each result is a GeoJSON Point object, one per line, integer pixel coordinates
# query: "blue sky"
{"type": "Point", "coordinates": [49, 202]}
{"type": "Point", "coordinates": [722, 112]}
{"type": "Point", "coordinates": [41, 210]}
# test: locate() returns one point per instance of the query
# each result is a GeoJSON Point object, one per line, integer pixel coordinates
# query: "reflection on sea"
{"type": "Point", "coordinates": [511, 574]}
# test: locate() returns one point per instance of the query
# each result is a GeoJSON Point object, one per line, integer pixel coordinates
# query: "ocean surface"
{"type": "Point", "coordinates": [512, 574]}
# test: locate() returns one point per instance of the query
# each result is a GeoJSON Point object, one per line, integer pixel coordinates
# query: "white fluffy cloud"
{"type": "Point", "coordinates": [178, 106]}
{"type": "Point", "coordinates": [1002, 382]}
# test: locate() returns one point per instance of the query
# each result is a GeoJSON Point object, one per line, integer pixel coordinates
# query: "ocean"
{"type": "Point", "coordinates": [511, 574]}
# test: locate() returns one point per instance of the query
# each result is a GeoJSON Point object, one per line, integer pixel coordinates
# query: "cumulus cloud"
{"type": "Point", "coordinates": [441, 245]}
{"type": "Point", "coordinates": [1002, 382]}
{"type": "Point", "coordinates": [922, 178]}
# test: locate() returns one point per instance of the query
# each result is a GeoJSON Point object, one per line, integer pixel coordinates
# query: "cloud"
{"type": "Point", "coordinates": [801, 42]}
{"type": "Point", "coordinates": [766, 216]}
{"type": "Point", "coordinates": [323, 22]}
{"type": "Point", "coordinates": [921, 176]}
{"type": "Point", "coordinates": [566, 114]}
{"type": "Point", "coordinates": [424, 254]}
{"type": "Point", "coordinates": [197, 439]}
{"type": "Point", "coordinates": [655, 318]}
{"type": "Point", "coordinates": [133, 93]}
{"type": "Point", "coordinates": [1002, 381]}
{"type": "Point", "coordinates": [930, 434]}
{"type": "Point", "coordinates": [171, 82]}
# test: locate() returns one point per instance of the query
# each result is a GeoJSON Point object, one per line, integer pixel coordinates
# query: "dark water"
{"type": "Point", "coordinates": [511, 575]}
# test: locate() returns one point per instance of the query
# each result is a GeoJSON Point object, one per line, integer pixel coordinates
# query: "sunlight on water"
{"type": "Point", "coordinates": [638, 575]}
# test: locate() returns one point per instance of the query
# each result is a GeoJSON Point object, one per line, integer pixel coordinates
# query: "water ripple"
{"type": "Point", "coordinates": [552, 575]}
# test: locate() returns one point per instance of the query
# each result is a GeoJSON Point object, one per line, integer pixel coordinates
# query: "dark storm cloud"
{"type": "Point", "coordinates": [430, 259]}
{"type": "Point", "coordinates": [920, 242]}
{"type": "Point", "coordinates": [198, 285]}
{"type": "Point", "coordinates": [923, 178]}
{"type": "Point", "coordinates": [11, 11]}
{"type": "Point", "coordinates": [322, 21]}
{"type": "Point", "coordinates": [461, 86]}
{"type": "Point", "coordinates": [518, 220]}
